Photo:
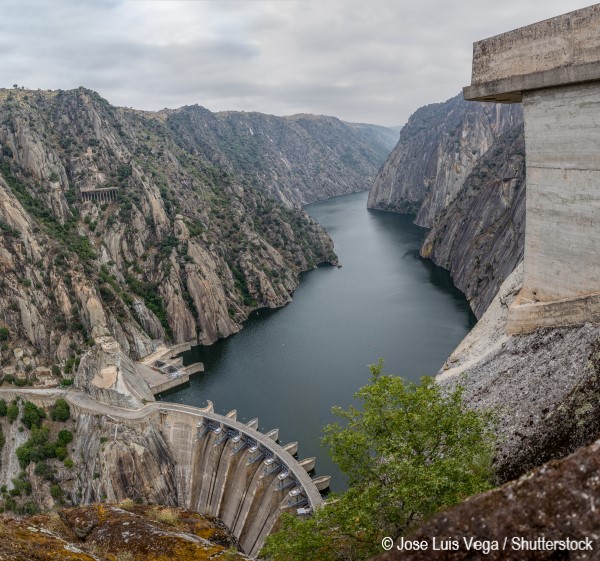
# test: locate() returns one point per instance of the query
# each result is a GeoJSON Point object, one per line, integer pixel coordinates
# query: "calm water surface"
{"type": "Point", "coordinates": [288, 367]}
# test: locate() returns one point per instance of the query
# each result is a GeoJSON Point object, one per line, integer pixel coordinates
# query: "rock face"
{"type": "Point", "coordinates": [144, 226]}
{"type": "Point", "coordinates": [107, 532]}
{"type": "Point", "coordinates": [298, 159]}
{"type": "Point", "coordinates": [543, 385]}
{"type": "Point", "coordinates": [437, 150]}
{"type": "Point", "coordinates": [120, 461]}
{"type": "Point", "coordinates": [557, 501]}
{"type": "Point", "coordinates": [459, 168]}
{"type": "Point", "coordinates": [479, 237]}
{"type": "Point", "coordinates": [109, 376]}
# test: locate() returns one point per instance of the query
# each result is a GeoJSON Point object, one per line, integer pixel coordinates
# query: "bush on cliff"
{"type": "Point", "coordinates": [60, 410]}
{"type": "Point", "coordinates": [409, 451]}
{"type": "Point", "coordinates": [32, 415]}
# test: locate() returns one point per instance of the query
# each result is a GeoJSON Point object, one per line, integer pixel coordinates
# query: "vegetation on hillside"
{"type": "Point", "coordinates": [46, 448]}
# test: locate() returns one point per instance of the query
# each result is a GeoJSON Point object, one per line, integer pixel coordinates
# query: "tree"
{"type": "Point", "coordinates": [32, 415]}
{"type": "Point", "coordinates": [60, 410]}
{"type": "Point", "coordinates": [409, 451]}
{"type": "Point", "coordinates": [12, 411]}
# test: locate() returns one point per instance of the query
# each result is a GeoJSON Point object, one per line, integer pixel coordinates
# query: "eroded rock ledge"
{"type": "Point", "coordinates": [125, 531]}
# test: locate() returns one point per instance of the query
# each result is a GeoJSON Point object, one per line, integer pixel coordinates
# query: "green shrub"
{"type": "Point", "coordinates": [36, 448]}
{"type": "Point", "coordinates": [12, 412]}
{"type": "Point", "coordinates": [32, 415]}
{"type": "Point", "coordinates": [3, 408]}
{"type": "Point", "coordinates": [65, 437]}
{"type": "Point", "coordinates": [60, 453]}
{"type": "Point", "coordinates": [68, 463]}
{"type": "Point", "coordinates": [56, 492]}
{"type": "Point", "coordinates": [4, 334]}
{"type": "Point", "coordinates": [408, 451]}
{"type": "Point", "coordinates": [42, 469]}
{"type": "Point", "coordinates": [60, 410]}
{"type": "Point", "coordinates": [28, 509]}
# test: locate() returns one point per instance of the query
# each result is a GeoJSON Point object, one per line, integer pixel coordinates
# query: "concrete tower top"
{"type": "Point", "coordinates": [555, 52]}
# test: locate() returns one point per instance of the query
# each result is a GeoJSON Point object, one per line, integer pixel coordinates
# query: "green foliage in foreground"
{"type": "Point", "coordinates": [409, 451]}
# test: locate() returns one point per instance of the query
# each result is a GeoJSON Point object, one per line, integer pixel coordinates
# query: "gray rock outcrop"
{"type": "Point", "coordinates": [544, 386]}
{"type": "Point", "coordinates": [459, 167]}
{"type": "Point", "coordinates": [143, 226]}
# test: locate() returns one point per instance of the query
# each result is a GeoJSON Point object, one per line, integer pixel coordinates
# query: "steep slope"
{"type": "Point", "coordinates": [437, 150]}
{"type": "Point", "coordinates": [109, 225]}
{"type": "Point", "coordinates": [459, 167]}
{"type": "Point", "coordinates": [296, 160]}
{"type": "Point", "coordinates": [479, 236]}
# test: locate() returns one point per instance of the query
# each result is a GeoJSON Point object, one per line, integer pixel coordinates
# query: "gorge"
{"type": "Point", "coordinates": [122, 228]}
{"type": "Point", "coordinates": [385, 302]}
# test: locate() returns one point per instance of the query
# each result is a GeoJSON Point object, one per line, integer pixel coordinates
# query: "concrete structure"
{"type": "Point", "coordinates": [163, 370]}
{"type": "Point", "coordinates": [553, 68]}
{"type": "Point", "coordinates": [101, 195]}
{"type": "Point", "coordinates": [223, 467]}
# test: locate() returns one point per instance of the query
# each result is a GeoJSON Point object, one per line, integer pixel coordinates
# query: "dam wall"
{"type": "Point", "coordinates": [214, 465]}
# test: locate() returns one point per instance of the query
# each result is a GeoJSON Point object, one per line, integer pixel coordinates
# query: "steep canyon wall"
{"type": "Point", "coordinates": [459, 167]}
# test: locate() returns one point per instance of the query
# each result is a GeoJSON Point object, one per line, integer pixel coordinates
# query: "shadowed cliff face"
{"type": "Point", "coordinates": [438, 148]}
{"type": "Point", "coordinates": [140, 226]}
{"type": "Point", "coordinates": [479, 237]}
{"type": "Point", "coordinates": [459, 166]}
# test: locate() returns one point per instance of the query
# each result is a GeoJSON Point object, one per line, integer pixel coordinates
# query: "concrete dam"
{"type": "Point", "coordinates": [206, 462]}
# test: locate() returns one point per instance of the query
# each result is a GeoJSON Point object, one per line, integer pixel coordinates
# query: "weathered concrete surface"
{"type": "Point", "coordinates": [562, 253]}
{"type": "Point", "coordinates": [557, 51]}
{"type": "Point", "coordinates": [558, 60]}
{"type": "Point", "coordinates": [562, 138]}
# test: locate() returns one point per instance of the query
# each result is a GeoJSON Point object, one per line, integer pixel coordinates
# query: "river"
{"type": "Point", "coordinates": [288, 367]}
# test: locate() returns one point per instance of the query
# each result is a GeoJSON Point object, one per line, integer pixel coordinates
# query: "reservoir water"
{"type": "Point", "coordinates": [288, 367]}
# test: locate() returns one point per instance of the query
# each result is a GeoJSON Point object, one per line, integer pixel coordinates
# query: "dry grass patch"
{"type": "Point", "coordinates": [165, 515]}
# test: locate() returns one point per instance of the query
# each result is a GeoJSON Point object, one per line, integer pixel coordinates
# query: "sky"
{"type": "Point", "coordinates": [372, 61]}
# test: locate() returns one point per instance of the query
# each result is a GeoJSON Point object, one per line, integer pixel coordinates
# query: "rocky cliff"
{"type": "Point", "coordinates": [459, 167]}
{"type": "Point", "coordinates": [297, 160]}
{"type": "Point", "coordinates": [479, 237]}
{"type": "Point", "coordinates": [438, 148]}
{"type": "Point", "coordinates": [144, 226]}
{"type": "Point", "coordinates": [543, 385]}
{"type": "Point", "coordinates": [556, 502]}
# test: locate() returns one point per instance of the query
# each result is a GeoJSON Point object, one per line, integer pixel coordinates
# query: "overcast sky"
{"type": "Point", "coordinates": [361, 60]}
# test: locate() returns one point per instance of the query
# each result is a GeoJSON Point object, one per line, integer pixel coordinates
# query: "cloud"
{"type": "Point", "coordinates": [374, 61]}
